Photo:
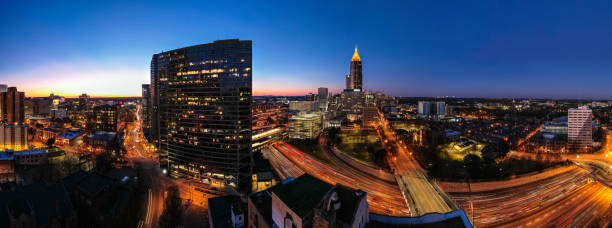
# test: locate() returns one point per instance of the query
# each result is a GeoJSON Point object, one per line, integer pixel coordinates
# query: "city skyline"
{"type": "Point", "coordinates": [488, 50]}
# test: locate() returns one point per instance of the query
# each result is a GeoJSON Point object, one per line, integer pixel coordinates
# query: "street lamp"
{"type": "Point", "coordinates": [164, 171]}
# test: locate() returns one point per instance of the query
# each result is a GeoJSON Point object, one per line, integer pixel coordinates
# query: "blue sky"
{"type": "Point", "coordinates": [555, 49]}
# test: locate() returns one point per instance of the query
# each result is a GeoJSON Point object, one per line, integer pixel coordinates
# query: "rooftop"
{"type": "Point", "coordinates": [103, 135]}
{"type": "Point", "coordinates": [349, 202]}
{"type": "Point", "coordinates": [45, 203]}
{"type": "Point", "coordinates": [70, 134]}
{"type": "Point", "coordinates": [303, 193]}
{"type": "Point", "coordinates": [356, 57]}
{"type": "Point", "coordinates": [29, 152]}
{"type": "Point", "coordinates": [219, 209]}
{"type": "Point", "coordinates": [263, 202]}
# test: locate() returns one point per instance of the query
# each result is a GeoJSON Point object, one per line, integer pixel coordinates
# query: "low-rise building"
{"type": "Point", "coordinates": [308, 202]}
{"type": "Point", "coordinates": [30, 157]}
{"type": "Point", "coordinates": [305, 125]}
{"type": "Point", "coordinates": [226, 211]}
{"type": "Point", "coordinates": [103, 141]}
{"type": "Point", "coordinates": [37, 205]}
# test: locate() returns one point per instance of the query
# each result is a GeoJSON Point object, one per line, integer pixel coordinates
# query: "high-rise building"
{"type": "Point", "coordinates": [29, 107]}
{"type": "Point", "coordinates": [579, 129]}
{"type": "Point", "coordinates": [202, 111]}
{"type": "Point", "coordinates": [369, 98]}
{"type": "Point", "coordinates": [13, 133]}
{"type": "Point", "coordinates": [323, 98]}
{"type": "Point", "coordinates": [12, 106]}
{"type": "Point", "coordinates": [424, 108]}
{"type": "Point", "coordinates": [349, 82]}
{"type": "Point", "coordinates": [144, 112]}
{"type": "Point", "coordinates": [84, 102]}
{"type": "Point", "coordinates": [352, 101]}
{"type": "Point", "coordinates": [105, 118]}
{"type": "Point", "coordinates": [13, 137]}
{"type": "Point", "coordinates": [356, 76]}
{"type": "Point", "coordinates": [370, 116]}
{"type": "Point", "coordinates": [311, 97]}
{"type": "Point", "coordinates": [440, 108]}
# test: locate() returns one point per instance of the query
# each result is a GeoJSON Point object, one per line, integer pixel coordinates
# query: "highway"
{"type": "Point", "coordinates": [283, 166]}
{"type": "Point", "coordinates": [587, 206]}
{"type": "Point", "coordinates": [490, 207]}
{"type": "Point", "coordinates": [421, 195]}
{"type": "Point", "coordinates": [383, 198]}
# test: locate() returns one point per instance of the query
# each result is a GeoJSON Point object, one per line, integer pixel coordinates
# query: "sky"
{"type": "Point", "coordinates": [513, 49]}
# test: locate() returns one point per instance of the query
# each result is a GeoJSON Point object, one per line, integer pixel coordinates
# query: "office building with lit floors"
{"type": "Point", "coordinates": [144, 112]}
{"type": "Point", "coordinates": [356, 74]}
{"type": "Point", "coordinates": [202, 108]}
{"type": "Point", "coordinates": [579, 129]}
{"type": "Point", "coordinates": [13, 131]}
{"type": "Point", "coordinates": [105, 118]}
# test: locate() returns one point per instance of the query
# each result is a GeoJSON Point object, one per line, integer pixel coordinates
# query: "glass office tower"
{"type": "Point", "coordinates": [201, 111]}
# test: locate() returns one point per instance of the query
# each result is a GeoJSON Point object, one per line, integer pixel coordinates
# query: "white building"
{"type": "Point", "coordinates": [579, 129]}
{"type": "Point", "coordinates": [424, 108]}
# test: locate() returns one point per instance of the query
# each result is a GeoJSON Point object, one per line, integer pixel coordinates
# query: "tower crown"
{"type": "Point", "coordinates": [355, 56]}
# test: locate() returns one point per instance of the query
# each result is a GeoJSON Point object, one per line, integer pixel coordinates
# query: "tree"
{"type": "Point", "coordinates": [50, 142]}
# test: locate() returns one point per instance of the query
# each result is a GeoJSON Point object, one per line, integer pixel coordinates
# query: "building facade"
{"type": "Point", "coordinates": [356, 75]}
{"type": "Point", "coordinates": [145, 112]}
{"type": "Point", "coordinates": [323, 98]}
{"type": "Point", "coordinates": [83, 102]}
{"type": "Point", "coordinates": [12, 106]}
{"type": "Point", "coordinates": [105, 117]}
{"type": "Point", "coordinates": [202, 110]}
{"type": "Point", "coordinates": [349, 82]}
{"type": "Point", "coordinates": [302, 106]}
{"type": "Point", "coordinates": [579, 129]}
{"type": "Point", "coordinates": [440, 108]}
{"type": "Point", "coordinates": [305, 125]}
{"type": "Point", "coordinates": [13, 137]}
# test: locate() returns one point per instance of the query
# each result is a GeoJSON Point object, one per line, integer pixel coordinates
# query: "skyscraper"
{"type": "Point", "coordinates": [202, 111]}
{"type": "Point", "coordinates": [144, 112]}
{"type": "Point", "coordinates": [579, 129]}
{"type": "Point", "coordinates": [349, 82]}
{"type": "Point", "coordinates": [13, 133]}
{"type": "Point", "coordinates": [323, 96]}
{"type": "Point", "coordinates": [11, 106]}
{"type": "Point", "coordinates": [440, 108]}
{"type": "Point", "coordinates": [424, 108]}
{"type": "Point", "coordinates": [356, 76]}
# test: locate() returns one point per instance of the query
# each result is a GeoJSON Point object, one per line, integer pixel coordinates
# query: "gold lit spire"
{"type": "Point", "coordinates": [355, 56]}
